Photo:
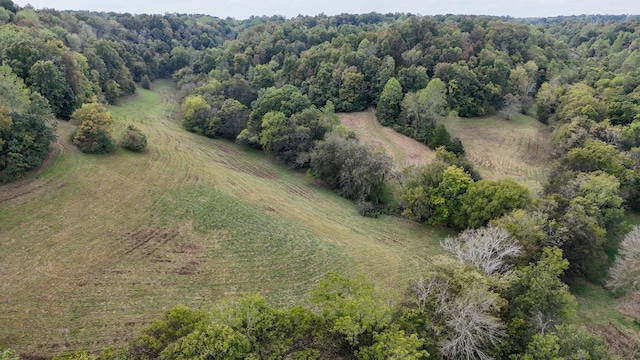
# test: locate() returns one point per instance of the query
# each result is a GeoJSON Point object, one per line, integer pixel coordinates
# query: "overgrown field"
{"type": "Point", "coordinates": [94, 247]}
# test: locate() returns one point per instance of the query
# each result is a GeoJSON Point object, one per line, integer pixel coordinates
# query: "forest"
{"type": "Point", "coordinates": [276, 85]}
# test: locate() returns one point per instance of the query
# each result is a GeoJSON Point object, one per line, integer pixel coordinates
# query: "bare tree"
{"type": "Point", "coordinates": [486, 248]}
{"type": "Point", "coordinates": [472, 327]}
{"type": "Point", "coordinates": [462, 308]}
{"type": "Point", "coordinates": [625, 272]}
{"type": "Point", "coordinates": [433, 290]}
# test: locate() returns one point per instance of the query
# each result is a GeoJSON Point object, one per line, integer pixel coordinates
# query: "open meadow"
{"type": "Point", "coordinates": [402, 149]}
{"type": "Point", "coordinates": [94, 247]}
{"type": "Point", "coordinates": [498, 148]}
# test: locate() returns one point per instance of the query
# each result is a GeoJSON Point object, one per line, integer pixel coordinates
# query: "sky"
{"type": "Point", "coordinates": [242, 9]}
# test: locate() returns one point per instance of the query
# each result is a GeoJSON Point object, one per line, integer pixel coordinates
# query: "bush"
{"type": "Point", "coordinates": [145, 82]}
{"type": "Point", "coordinates": [368, 209]}
{"type": "Point", "coordinates": [133, 139]}
{"type": "Point", "coordinates": [100, 142]}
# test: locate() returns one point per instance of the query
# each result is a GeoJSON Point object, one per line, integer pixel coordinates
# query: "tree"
{"type": "Point", "coordinates": [263, 77]}
{"type": "Point", "coordinates": [288, 100]}
{"type": "Point", "coordinates": [413, 78]}
{"type": "Point", "coordinates": [530, 229]}
{"type": "Point", "coordinates": [488, 249]}
{"type": "Point", "coordinates": [145, 82]}
{"type": "Point", "coordinates": [625, 272]}
{"type": "Point", "coordinates": [14, 95]}
{"type": "Point", "coordinates": [24, 144]}
{"type": "Point", "coordinates": [156, 337]}
{"type": "Point", "coordinates": [351, 307]}
{"type": "Point", "coordinates": [473, 327]}
{"type": "Point", "coordinates": [46, 79]}
{"type": "Point", "coordinates": [5, 16]}
{"type": "Point", "coordinates": [486, 200]}
{"type": "Point", "coordinates": [213, 341]}
{"type": "Point", "coordinates": [394, 344]}
{"type": "Point", "coordinates": [351, 89]}
{"type": "Point", "coordinates": [566, 342]}
{"type": "Point", "coordinates": [420, 109]}
{"type": "Point", "coordinates": [285, 139]}
{"type": "Point", "coordinates": [460, 310]}
{"type": "Point", "coordinates": [354, 170]}
{"type": "Point", "coordinates": [545, 103]}
{"type": "Point", "coordinates": [231, 119]}
{"type": "Point", "coordinates": [95, 125]}
{"type": "Point", "coordinates": [388, 109]}
{"type": "Point", "coordinates": [22, 54]}
{"type": "Point", "coordinates": [447, 197]}
{"type": "Point", "coordinates": [196, 114]}
{"type": "Point", "coordinates": [133, 139]}
{"type": "Point", "coordinates": [538, 299]}
{"type": "Point", "coordinates": [433, 98]}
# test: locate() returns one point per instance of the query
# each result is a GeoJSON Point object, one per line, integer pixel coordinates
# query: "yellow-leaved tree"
{"type": "Point", "coordinates": [94, 132]}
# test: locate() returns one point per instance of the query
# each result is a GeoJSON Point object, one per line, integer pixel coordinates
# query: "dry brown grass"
{"type": "Point", "coordinates": [498, 148]}
{"type": "Point", "coordinates": [402, 149]}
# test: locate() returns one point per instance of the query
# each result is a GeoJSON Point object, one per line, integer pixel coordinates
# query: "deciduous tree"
{"type": "Point", "coordinates": [490, 249]}
{"type": "Point", "coordinates": [95, 126]}
{"type": "Point", "coordinates": [388, 109]}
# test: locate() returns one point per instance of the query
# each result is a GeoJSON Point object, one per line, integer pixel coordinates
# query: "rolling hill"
{"type": "Point", "coordinates": [94, 247]}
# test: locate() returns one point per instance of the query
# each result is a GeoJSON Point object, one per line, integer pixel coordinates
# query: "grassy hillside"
{"type": "Point", "coordinates": [497, 147]}
{"type": "Point", "coordinates": [500, 148]}
{"type": "Point", "coordinates": [93, 247]}
{"type": "Point", "coordinates": [402, 149]}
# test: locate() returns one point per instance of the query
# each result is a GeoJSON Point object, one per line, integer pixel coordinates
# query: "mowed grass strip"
{"type": "Point", "coordinates": [94, 247]}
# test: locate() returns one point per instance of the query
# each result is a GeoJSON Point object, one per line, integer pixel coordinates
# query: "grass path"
{"type": "Point", "coordinates": [94, 247]}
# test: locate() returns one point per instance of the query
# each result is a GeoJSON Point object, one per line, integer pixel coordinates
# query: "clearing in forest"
{"type": "Point", "coordinates": [95, 246]}
{"type": "Point", "coordinates": [498, 148]}
{"type": "Point", "coordinates": [501, 148]}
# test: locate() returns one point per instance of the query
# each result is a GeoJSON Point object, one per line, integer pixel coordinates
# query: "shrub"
{"type": "Point", "coordinates": [99, 142]}
{"type": "Point", "coordinates": [145, 82]}
{"type": "Point", "coordinates": [133, 139]}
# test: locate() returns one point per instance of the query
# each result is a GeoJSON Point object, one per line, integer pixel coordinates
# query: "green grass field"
{"type": "Point", "coordinates": [94, 247]}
